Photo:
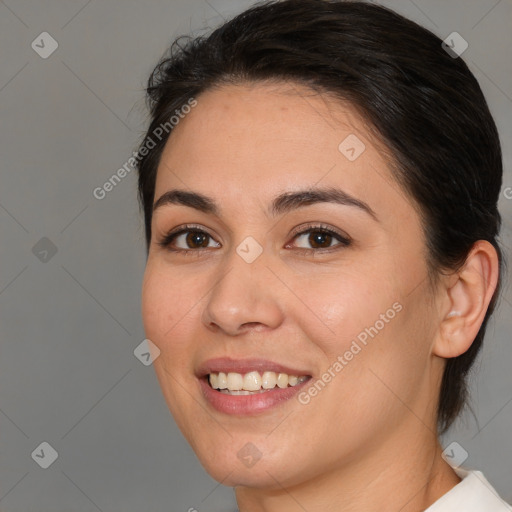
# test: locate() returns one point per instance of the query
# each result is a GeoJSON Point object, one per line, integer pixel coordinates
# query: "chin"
{"type": "Point", "coordinates": [233, 473]}
{"type": "Point", "coordinates": [242, 462]}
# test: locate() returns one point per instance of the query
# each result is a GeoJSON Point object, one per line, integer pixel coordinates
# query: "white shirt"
{"type": "Point", "coordinates": [473, 494]}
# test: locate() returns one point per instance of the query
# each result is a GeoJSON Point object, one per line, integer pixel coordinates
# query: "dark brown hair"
{"type": "Point", "coordinates": [423, 102]}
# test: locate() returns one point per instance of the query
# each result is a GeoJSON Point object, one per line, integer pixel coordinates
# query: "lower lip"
{"type": "Point", "coordinates": [248, 404]}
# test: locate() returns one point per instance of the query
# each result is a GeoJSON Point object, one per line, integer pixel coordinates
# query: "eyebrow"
{"type": "Point", "coordinates": [283, 203]}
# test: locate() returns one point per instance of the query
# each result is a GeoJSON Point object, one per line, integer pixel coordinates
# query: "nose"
{"type": "Point", "coordinates": [247, 296]}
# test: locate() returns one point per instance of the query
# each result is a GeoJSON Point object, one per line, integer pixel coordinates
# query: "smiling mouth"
{"type": "Point", "coordinates": [254, 382]}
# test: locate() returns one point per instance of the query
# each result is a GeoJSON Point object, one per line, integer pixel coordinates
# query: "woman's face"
{"type": "Point", "coordinates": [260, 287]}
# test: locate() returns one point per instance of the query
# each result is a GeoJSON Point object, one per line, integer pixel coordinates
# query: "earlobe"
{"type": "Point", "coordinates": [468, 294]}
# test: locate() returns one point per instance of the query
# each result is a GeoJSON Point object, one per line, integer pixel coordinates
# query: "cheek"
{"type": "Point", "coordinates": [383, 373]}
{"type": "Point", "coordinates": [345, 307]}
{"type": "Point", "coordinates": [371, 339]}
{"type": "Point", "coordinates": [166, 313]}
{"type": "Point", "coordinates": [167, 304]}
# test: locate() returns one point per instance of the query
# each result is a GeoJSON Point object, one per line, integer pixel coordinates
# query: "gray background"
{"type": "Point", "coordinates": [69, 325]}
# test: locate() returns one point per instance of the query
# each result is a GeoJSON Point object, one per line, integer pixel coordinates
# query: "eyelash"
{"type": "Point", "coordinates": [318, 228]}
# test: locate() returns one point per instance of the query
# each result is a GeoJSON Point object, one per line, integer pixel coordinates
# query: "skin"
{"type": "Point", "coordinates": [371, 429]}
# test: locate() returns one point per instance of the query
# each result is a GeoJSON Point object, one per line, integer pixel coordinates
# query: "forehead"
{"type": "Point", "coordinates": [253, 141]}
{"type": "Point", "coordinates": [293, 116]}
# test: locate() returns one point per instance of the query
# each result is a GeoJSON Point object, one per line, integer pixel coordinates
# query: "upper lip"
{"type": "Point", "coordinates": [226, 365]}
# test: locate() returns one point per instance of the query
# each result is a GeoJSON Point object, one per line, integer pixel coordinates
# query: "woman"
{"type": "Point", "coordinates": [319, 182]}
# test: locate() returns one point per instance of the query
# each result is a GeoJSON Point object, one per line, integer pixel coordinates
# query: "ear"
{"type": "Point", "coordinates": [466, 297]}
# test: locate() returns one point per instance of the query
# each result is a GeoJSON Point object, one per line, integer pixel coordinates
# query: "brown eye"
{"type": "Point", "coordinates": [320, 238]}
{"type": "Point", "coordinates": [186, 240]}
{"type": "Point", "coordinates": [197, 237]}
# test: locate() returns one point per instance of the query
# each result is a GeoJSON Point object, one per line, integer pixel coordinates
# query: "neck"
{"type": "Point", "coordinates": [406, 474]}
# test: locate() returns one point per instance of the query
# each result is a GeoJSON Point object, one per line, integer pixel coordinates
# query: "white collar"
{"type": "Point", "coordinates": [472, 494]}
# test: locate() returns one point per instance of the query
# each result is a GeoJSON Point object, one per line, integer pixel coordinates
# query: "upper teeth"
{"type": "Point", "coordinates": [253, 381]}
